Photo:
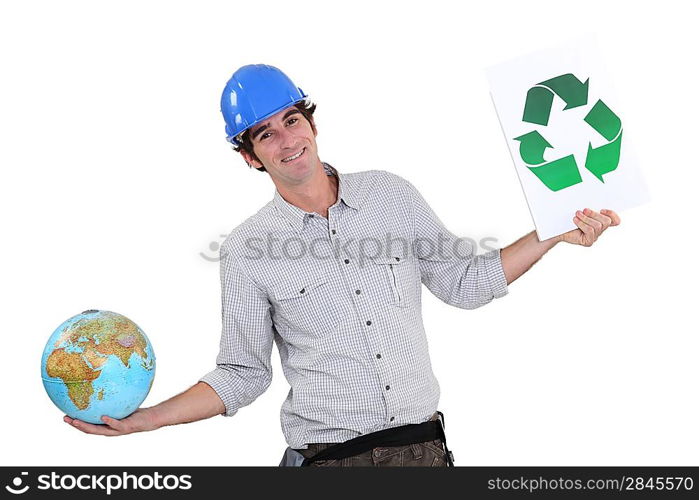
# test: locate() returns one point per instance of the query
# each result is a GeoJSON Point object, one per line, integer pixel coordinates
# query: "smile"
{"type": "Point", "coordinates": [292, 158]}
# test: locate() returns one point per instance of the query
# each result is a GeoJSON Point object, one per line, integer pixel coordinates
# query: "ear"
{"type": "Point", "coordinates": [250, 160]}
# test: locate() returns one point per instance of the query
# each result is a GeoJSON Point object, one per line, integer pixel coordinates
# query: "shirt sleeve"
{"type": "Point", "coordinates": [449, 266]}
{"type": "Point", "coordinates": [243, 366]}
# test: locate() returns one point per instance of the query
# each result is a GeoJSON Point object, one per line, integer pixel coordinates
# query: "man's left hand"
{"type": "Point", "coordinates": [591, 225]}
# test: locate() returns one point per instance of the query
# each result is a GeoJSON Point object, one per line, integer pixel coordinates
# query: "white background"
{"type": "Point", "coordinates": [116, 176]}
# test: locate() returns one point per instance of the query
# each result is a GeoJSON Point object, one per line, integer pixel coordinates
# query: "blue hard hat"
{"type": "Point", "coordinates": [255, 92]}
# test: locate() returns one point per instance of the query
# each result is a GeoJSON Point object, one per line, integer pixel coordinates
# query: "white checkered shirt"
{"type": "Point", "coordinates": [343, 305]}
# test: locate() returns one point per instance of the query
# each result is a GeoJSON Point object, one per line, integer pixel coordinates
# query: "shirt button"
{"type": "Point", "coordinates": [357, 292]}
{"type": "Point", "coordinates": [393, 418]}
{"type": "Point", "coordinates": [346, 261]}
{"type": "Point", "coordinates": [310, 216]}
{"type": "Point", "coordinates": [397, 259]}
{"type": "Point", "coordinates": [333, 231]}
{"type": "Point", "coordinates": [378, 356]}
{"type": "Point", "coordinates": [368, 323]}
{"type": "Point", "coordinates": [388, 387]}
{"type": "Point", "coordinates": [303, 290]}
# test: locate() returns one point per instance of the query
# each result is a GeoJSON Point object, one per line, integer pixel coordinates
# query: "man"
{"type": "Point", "coordinates": [332, 270]}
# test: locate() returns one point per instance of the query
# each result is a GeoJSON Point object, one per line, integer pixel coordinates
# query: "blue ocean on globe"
{"type": "Point", "coordinates": [98, 363]}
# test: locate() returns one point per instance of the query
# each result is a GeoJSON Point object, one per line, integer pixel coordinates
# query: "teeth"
{"type": "Point", "coordinates": [294, 157]}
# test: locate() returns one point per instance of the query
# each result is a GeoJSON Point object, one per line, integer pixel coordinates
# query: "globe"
{"type": "Point", "coordinates": [98, 363]}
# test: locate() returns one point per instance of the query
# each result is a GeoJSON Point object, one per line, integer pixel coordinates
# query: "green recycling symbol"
{"type": "Point", "coordinates": [563, 172]}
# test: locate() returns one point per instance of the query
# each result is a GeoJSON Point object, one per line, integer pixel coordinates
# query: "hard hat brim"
{"type": "Point", "coordinates": [233, 139]}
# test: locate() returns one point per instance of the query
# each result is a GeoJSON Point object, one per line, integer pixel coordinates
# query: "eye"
{"type": "Point", "coordinates": [265, 136]}
{"type": "Point", "coordinates": [291, 121]}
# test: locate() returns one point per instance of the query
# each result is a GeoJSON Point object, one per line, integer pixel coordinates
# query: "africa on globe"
{"type": "Point", "coordinates": [98, 363]}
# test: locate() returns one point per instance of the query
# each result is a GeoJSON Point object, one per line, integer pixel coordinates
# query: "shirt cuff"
{"type": "Point", "coordinates": [495, 273]}
{"type": "Point", "coordinates": [219, 383]}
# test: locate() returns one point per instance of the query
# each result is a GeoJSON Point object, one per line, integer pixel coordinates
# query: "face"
{"type": "Point", "coordinates": [285, 144]}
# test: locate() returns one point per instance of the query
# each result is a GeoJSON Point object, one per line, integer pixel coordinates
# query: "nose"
{"type": "Point", "coordinates": [287, 139]}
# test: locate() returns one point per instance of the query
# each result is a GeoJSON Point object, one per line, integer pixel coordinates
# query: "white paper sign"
{"type": "Point", "coordinates": [565, 130]}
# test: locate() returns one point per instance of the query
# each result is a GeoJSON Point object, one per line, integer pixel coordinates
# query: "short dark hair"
{"type": "Point", "coordinates": [306, 107]}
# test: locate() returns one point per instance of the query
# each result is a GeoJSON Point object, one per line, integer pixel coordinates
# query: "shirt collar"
{"type": "Point", "coordinates": [348, 192]}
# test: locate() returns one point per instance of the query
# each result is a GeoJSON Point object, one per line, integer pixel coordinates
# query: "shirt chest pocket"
{"type": "Point", "coordinates": [394, 278]}
{"type": "Point", "coordinates": [307, 305]}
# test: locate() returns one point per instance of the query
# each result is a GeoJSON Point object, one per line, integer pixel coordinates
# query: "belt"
{"type": "Point", "coordinates": [395, 436]}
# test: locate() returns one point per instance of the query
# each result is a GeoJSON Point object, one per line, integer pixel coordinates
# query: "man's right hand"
{"type": "Point", "coordinates": [196, 403]}
{"type": "Point", "coordinates": [139, 421]}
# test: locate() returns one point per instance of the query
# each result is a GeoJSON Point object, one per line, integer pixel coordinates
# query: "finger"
{"type": "Point", "coordinates": [616, 220]}
{"type": "Point", "coordinates": [588, 231]}
{"type": "Point", "coordinates": [606, 221]}
{"type": "Point", "coordinates": [89, 428]}
{"type": "Point", "coordinates": [597, 225]}
{"type": "Point", "coordinates": [114, 423]}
